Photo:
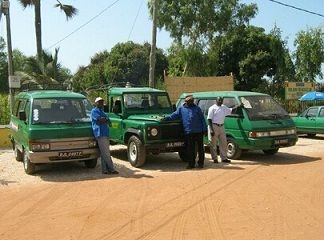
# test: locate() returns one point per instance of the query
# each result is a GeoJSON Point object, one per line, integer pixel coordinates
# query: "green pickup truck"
{"type": "Point", "coordinates": [136, 113]}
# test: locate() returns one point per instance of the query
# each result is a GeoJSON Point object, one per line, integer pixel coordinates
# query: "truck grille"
{"type": "Point", "coordinates": [172, 131]}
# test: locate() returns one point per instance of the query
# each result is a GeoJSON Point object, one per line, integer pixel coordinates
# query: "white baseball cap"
{"type": "Point", "coordinates": [99, 99]}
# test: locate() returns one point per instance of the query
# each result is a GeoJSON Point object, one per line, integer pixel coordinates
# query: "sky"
{"type": "Point", "coordinates": [101, 24]}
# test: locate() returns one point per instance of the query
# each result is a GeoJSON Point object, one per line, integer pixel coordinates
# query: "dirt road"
{"type": "Point", "coordinates": [257, 197]}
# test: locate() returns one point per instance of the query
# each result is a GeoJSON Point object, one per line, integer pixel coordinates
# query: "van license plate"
{"type": "Point", "coordinates": [281, 141]}
{"type": "Point", "coordinates": [70, 154]}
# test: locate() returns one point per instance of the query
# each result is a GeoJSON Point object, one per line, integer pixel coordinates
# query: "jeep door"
{"type": "Point", "coordinates": [115, 114]}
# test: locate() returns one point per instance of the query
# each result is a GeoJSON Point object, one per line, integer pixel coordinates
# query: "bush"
{"type": "Point", "coordinates": [4, 110]}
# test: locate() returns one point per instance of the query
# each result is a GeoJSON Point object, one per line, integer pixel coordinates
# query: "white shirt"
{"type": "Point", "coordinates": [218, 113]}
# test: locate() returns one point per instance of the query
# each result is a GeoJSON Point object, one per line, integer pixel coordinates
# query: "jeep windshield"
{"type": "Point", "coordinates": [60, 110]}
{"type": "Point", "coordinates": [148, 101]}
{"type": "Point", "coordinates": [263, 108]}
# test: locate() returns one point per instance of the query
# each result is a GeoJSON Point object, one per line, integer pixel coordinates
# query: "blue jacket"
{"type": "Point", "coordinates": [192, 118]}
{"type": "Point", "coordinates": [99, 130]}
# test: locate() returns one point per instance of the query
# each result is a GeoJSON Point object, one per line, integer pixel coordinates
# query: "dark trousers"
{"type": "Point", "coordinates": [192, 140]}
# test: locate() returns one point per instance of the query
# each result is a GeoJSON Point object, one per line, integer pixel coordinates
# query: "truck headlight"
{"type": "Point", "coordinates": [92, 143]}
{"type": "Point", "coordinates": [152, 132]}
{"type": "Point", "coordinates": [40, 146]}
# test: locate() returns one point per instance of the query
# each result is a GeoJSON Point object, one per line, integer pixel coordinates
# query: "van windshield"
{"type": "Point", "coordinates": [60, 110]}
{"type": "Point", "coordinates": [263, 108]}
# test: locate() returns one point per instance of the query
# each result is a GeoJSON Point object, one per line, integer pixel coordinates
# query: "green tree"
{"type": "Point", "coordinates": [249, 54]}
{"type": "Point", "coordinates": [194, 25]}
{"type": "Point", "coordinates": [3, 67]}
{"type": "Point", "coordinates": [126, 62]}
{"type": "Point", "coordinates": [68, 10]}
{"type": "Point", "coordinates": [309, 55]}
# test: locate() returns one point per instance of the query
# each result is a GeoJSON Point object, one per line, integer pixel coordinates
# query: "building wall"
{"type": "Point", "coordinates": [178, 85]}
{"type": "Point", "coordinates": [4, 137]}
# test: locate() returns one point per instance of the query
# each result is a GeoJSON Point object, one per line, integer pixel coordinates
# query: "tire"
{"type": "Point", "coordinates": [18, 154]}
{"type": "Point", "coordinates": [270, 151]}
{"type": "Point", "coordinates": [92, 163]}
{"type": "Point", "coordinates": [136, 152]}
{"type": "Point", "coordinates": [233, 150]}
{"type": "Point", "coordinates": [311, 134]}
{"type": "Point", "coordinates": [29, 167]}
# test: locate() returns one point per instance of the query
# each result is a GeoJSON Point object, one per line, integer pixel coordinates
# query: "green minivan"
{"type": "Point", "coordinates": [50, 126]}
{"type": "Point", "coordinates": [262, 124]}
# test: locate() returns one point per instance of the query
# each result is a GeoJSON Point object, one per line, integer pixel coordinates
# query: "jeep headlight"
{"type": "Point", "coordinates": [40, 146]}
{"type": "Point", "coordinates": [92, 143]}
{"type": "Point", "coordinates": [154, 132]}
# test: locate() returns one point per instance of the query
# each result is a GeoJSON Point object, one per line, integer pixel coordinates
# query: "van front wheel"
{"type": "Point", "coordinates": [270, 151]}
{"type": "Point", "coordinates": [29, 167]}
{"type": "Point", "coordinates": [233, 150]}
{"type": "Point", "coordinates": [136, 152]}
{"type": "Point", "coordinates": [18, 154]}
{"type": "Point", "coordinates": [92, 163]}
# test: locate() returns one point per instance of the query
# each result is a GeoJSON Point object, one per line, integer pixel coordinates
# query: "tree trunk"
{"type": "Point", "coordinates": [153, 45]}
{"type": "Point", "coordinates": [38, 30]}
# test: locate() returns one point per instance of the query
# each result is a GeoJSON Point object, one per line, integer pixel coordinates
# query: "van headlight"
{"type": "Point", "coordinates": [92, 143]}
{"type": "Point", "coordinates": [40, 147]}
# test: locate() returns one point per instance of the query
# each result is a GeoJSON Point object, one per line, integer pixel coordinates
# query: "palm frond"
{"type": "Point", "coordinates": [68, 10]}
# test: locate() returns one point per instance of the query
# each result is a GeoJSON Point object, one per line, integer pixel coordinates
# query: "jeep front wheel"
{"type": "Point", "coordinates": [136, 152]}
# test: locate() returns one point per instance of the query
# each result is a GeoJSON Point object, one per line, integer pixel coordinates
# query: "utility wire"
{"type": "Point", "coordinates": [131, 31]}
{"type": "Point", "coordinates": [83, 25]}
{"type": "Point", "coordinates": [301, 9]}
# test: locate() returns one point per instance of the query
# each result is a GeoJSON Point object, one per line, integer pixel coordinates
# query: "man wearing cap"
{"type": "Point", "coordinates": [194, 127]}
{"type": "Point", "coordinates": [99, 121]}
{"type": "Point", "coordinates": [216, 117]}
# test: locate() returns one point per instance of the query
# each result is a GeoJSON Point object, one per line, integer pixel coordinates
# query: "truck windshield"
{"type": "Point", "coordinates": [263, 108]}
{"type": "Point", "coordinates": [146, 101]}
{"type": "Point", "coordinates": [60, 110]}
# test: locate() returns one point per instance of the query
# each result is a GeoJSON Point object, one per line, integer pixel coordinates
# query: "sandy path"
{"type": "Point", "coordinates": [258, 197]}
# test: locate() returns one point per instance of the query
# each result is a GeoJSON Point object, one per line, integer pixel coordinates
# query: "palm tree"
{"type": "Point", "coordinates": [44, 74]}
{"type": "Point", "coordinates": [68, 10]}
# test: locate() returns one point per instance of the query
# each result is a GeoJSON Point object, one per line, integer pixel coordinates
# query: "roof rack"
{"type": "Point", "coordinates": [46, 86]}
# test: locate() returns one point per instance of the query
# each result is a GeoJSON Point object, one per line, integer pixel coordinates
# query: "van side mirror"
{"type": "Point", "coordinates": [22, 116]}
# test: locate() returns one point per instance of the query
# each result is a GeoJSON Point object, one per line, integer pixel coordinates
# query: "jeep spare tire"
{"type": "Point", "coordinates": [136, 152]}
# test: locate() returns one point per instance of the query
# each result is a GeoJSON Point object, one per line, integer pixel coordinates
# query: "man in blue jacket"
{"type": "Point", "coordinates": [100, 122]}
{"type": "Point", "coordinates": [194, 127]}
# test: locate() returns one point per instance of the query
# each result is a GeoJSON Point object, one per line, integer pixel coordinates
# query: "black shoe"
{"type": "Point", "coordinates": [190, 167]}
{"type": "Point", "coordinates": [226, 161]}
{"type": "Point", "coordinates": [113, 172]}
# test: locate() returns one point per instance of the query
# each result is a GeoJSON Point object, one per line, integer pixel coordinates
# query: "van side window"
{"type": "Point", "coordinates": [231, 102]}
{"type": "Point", "coordinates": [202, 104]}
{"type": "Point", "coordinates": [21, 107]}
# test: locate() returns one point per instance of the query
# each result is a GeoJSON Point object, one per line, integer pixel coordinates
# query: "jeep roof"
{"type": "Point", "coordinates": [122, 90]}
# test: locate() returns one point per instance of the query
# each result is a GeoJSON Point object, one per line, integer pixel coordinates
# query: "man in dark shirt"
{"type": "Point", "coordinates": [194, 127]}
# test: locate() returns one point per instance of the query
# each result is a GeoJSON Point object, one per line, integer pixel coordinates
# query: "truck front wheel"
{"type": "Point", "coordinates": [136, 152]}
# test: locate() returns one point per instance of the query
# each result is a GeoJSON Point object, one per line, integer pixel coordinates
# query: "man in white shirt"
{"type": "Point", "coordinates": [216, 116]}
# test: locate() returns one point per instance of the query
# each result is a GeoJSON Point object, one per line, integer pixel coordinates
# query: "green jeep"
{"type": "Point", "coordinates": [52, 126]}
{"type": "Point", "coordinates": [136, 113]}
